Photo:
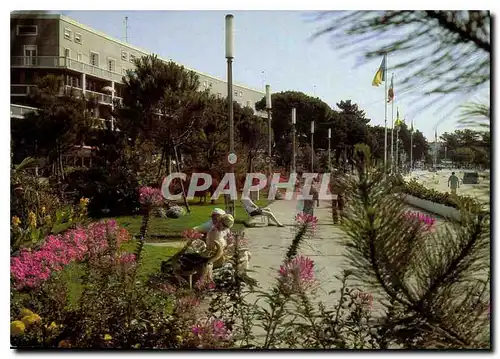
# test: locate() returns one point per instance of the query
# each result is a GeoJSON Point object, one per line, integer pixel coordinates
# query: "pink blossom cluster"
{"type": "Point", "coordinates": [204, 284]}
{"type": "Point", "coordinates": [364, 299]}
{"type": "Point", "coordinates": [306, 219]}
{"type": "Point", "coordinates": [32, 267]}
{"type": "Point", "coordinates": [187, 303]}
{"type": "Point", "coordinates": [297, 275]}
{"type": "Point", "coordinates": [211, 333]}
{"type": "Point", "coordinates": [192, 234]}
{"type": "Point", "coordinates": [231, 240]}
{"type": "Point", "coordinates": [427, 221]}
{"type": "Point", "coordinates": [151, 197]}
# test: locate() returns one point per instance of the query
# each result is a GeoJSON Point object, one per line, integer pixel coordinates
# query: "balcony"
{"type": "Point", "coordinates": [53, 62]}
{"type": "Point", "coordinates": [18, 111]}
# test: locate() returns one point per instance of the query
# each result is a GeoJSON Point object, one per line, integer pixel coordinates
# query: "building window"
{"type": "Point", "coordinates": [124, 56]}
{"type": "Point", "coordinates": [219, 95]}
{"type": "Point", "coordinates": [94, 59]}
{"type": "Point", "coordinates": [67, 53]}
{"type": "Point", "coordinates": [249, 104]}
{"type": "Point", "coordinates": [27, 30]}
{"type": "Point", "coordinates": [67, 34]}
{"type": "Point", "coordinates": [30, 53]}
{"type": "Point", "coordinates": [210, 85]}
{"type": "Point", "coordinates": [204, 84]}
{"type": "Point", "coordinates": [241, 94]}
{"type": "Point", "coordinates": [111, 65]}
{"type": "Point", "coordinates": [78, 38]}
{"type": "Point", "coordinates": [79, 56]}
{"type": "Point", "coordinates": [131, 58]}
{"type": "Point", "coordinates": [235, 92]}
{"type": "Point", "coordinates": [124, 71]}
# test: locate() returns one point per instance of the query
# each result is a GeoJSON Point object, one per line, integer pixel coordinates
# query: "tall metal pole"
{"type": "Point", "coordinates": [392, 128]}
{"type": "Point", "coordinates": [411, 150]}
{"type": "Point", "coordinates": [435, 147]}
{"type": "Point", "coordinates": [385, 121]}
{"type": "Point", "coordinates": [269, 128]}
{"type": "Point", "coordinates": [312, 146]}
{"type": "Point", "coordinates": [329, 148]}
{"type": "Point", "coordinates": [397, 150]}
{"type": "Point", "coordinates": [229, 57]}
{"type": "Point", "coordinates": [294, 120]}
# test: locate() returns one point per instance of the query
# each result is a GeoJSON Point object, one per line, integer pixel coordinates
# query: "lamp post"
{"type": "Point", "coordinates": [312, 146]}
{"type": "Point", "coordinates": [229, 57]}
{"type": "Point", "coordinates": [269, 133]}
{"type": "Point", "coordinates": [294, 121]}
{"type": "Point", "coordinates": [329, 148]}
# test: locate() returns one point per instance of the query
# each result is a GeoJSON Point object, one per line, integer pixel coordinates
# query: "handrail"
{"type": "Point", "coordinates": [64, 62]}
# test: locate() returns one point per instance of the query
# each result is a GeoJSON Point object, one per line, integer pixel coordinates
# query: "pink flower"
{"type": "Point", "coordinates": [31, 268]}
{"type": "Point", "coordinates": [149, 196]}
{"type": "Point", "coordinates": [210, 333]}
{"type": "Point", "coordinates": [426, 221]}
{"type": "Point", "coordinates": [126, 258]}
{"type": "Point", "coordinates": [231, 239]}
{"type": "Point", "coordinates": [297, 275]}
{"type": "Point", "coordinates": [192, 234]}
{"type": "Point", "coordinates": [204, 284]}
{"type": "Point", "coordinates": [306, 219]}
{"type": "Point", "coordinates": [364, 299]}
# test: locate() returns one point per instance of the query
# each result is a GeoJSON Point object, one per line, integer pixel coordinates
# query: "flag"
{"type": "Point", "coordinates": [380, 74]}
{"type": "Point", "coordinates": [398, 121]}
{"type": "Point", "coordinates": [391, 90]}
{"type": "Point", "coordinates": [411, 128]}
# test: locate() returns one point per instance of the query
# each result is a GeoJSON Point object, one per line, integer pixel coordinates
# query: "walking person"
{"type": "Point", "coordinates": [308, 204]}
{"type": "Point", "coordinates": [453, 183]}
{"type": "Point", "coordinates": [338, 196]}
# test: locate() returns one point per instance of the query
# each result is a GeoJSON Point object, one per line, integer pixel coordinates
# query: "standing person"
{"type": "Point", "coordinates": [338, 195]}
{"type": "Point", "coordinates": [453, 183]}
{"type": "Point", "coordinates": [308, 205]}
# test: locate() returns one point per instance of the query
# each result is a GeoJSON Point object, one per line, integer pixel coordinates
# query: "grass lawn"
{"type": "Point", "coordinates": [173, 228]}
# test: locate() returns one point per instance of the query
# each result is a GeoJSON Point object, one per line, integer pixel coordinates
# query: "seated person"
{"type": "Point", "coordinates": [254, 210]}
{"type": "Point", "coordinates": [217, 234]}
{"type": "Point", "coordinates": [207, 226]}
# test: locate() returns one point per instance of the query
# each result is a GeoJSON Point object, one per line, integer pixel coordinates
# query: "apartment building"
{"type": "Point", "coordinates": [91, 62]}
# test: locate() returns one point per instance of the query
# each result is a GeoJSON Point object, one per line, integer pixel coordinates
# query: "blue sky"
{"type": "Point", "coordinates": [276, 42]}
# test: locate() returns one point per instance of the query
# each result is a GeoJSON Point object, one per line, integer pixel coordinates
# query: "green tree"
{"type": "Point", "coordinates": [161, 103]}
{"type": "Point", "coordinates": [308, 108]}
{"type": "Point", "coordinates": [61, 122]}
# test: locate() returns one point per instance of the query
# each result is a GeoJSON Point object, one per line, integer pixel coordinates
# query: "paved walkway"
{"type": "Point", "coordinates": [268, 246]}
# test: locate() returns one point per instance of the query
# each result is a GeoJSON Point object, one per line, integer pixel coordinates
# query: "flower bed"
{"type": "Point", "coordinates": [419, 191]}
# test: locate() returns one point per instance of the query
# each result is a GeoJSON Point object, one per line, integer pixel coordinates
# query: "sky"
{"type": "Point", "coordinates": [271, 47]}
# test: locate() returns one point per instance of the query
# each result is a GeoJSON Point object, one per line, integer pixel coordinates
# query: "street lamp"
{"type": "Point", "coordinates": [229, 57]}
{"type": "Point", "coordinates": [312, 146]}
{"type": "Point", "coordinates": [294, 121]}
{"type": "Point", "coordinates": [329, 148]}
{"type": "Point", "coordinates": [268, 108]}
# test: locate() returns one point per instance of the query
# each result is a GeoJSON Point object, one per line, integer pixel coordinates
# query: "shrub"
{"type": "Point", "coordinates": [418, 190]}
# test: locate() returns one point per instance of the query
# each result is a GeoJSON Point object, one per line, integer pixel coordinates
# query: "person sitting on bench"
{"type": "Point", "coordinates": [207, 226]}
{"type": "Point", "coordinates": [254, 210]}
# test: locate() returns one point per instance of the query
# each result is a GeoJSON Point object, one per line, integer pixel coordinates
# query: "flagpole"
{"type": "Point", "coordinates": [397, 149]}
{"type": "Point", "coordinates": [392, 129]}
{"type": "Point", "coordinates": [411, 147]}
{"type": "Point", "coordinates": [385, 105]}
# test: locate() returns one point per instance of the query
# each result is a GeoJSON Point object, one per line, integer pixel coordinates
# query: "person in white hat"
{"type": "Point", "coordinates": [214, 217]}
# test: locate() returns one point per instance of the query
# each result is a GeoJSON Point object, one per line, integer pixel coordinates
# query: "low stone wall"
{"type": "Point", "coordinates": [432, 207]}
